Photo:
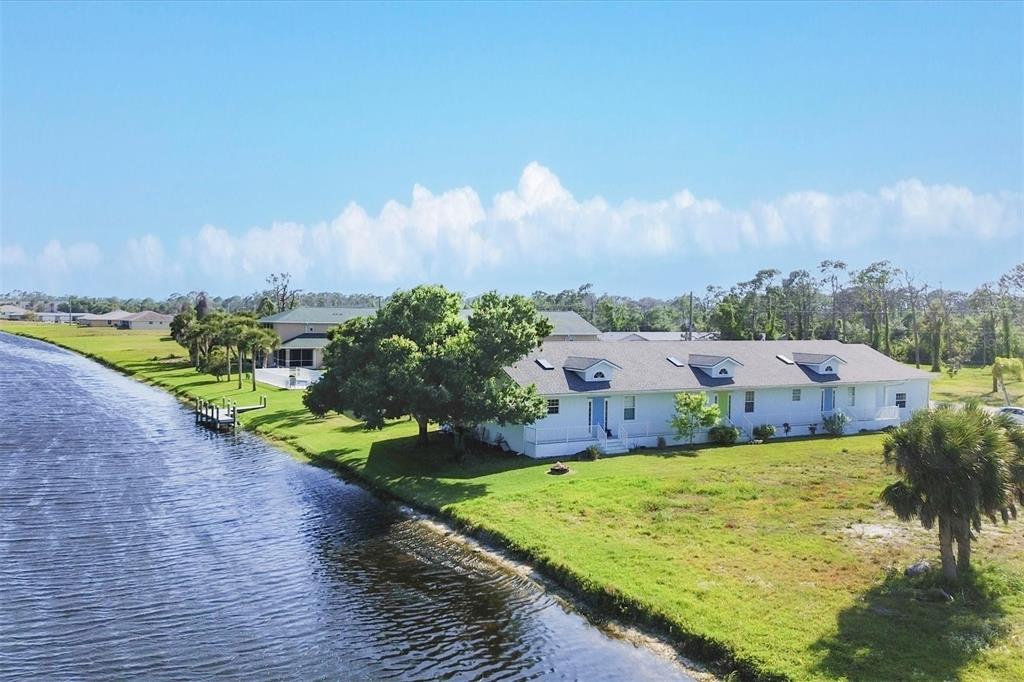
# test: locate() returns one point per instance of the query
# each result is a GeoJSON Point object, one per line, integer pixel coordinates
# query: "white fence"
{"type": "Point", "coordinates": [288, 377]}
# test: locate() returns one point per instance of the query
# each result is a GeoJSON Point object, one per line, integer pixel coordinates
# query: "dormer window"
{"type": "Point", "coordinates": [591, 369]}
{"type": "Point", "coordinates": [819, 363]}
{"type": "Point", "coordinates": [715, 366]}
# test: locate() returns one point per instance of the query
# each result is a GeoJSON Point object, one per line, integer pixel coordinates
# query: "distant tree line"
{"type": "Point", "coordinates": [882, 305]}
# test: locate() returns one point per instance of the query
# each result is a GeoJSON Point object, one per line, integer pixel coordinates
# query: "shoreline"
{"type": "Point", "coordinates": [602, 610]}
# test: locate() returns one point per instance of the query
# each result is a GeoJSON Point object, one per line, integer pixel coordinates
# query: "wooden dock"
{"type": "Point", "coordinates": [223, 417]}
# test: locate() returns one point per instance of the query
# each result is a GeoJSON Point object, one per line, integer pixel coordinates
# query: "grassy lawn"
{"type": "Point", "coordinates": [973, 382]}
{"type": "Point", "coordinates": [778, 553]}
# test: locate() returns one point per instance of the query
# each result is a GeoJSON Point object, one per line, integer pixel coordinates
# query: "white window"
{"type": "Point", "coordinates": [901, 400]}
{"type": "Point", "coordinates": [796, 395]}
{"type": "Point", "coordinates": [553, 406]}
{"type": "Point", "coordinates": [724, 370]}
{"type": "Point", "coordinates": [828, 369]}
{"type": "Point", "coordinates": [629, 408]}
{"type": "Point", "coordinates": [748, 402]}
{"type": "Point", "coordinates": [853, 395]}
{"type": "Point", "coordinates": [599, 375]}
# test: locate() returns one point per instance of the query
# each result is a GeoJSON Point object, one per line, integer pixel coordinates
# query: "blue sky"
{"type": "Point", "coordinates": [649, 149]}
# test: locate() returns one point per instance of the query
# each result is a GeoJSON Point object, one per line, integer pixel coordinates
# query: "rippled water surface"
{"type": "Point", "coordinates": [134, 544]}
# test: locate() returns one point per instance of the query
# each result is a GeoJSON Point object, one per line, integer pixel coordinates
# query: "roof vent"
{"type": "Point", "coordinates": [784, 359]}
{"type": "Point", "coordinates": [544, 364]}
{"type": "Point", "coordinates": [676, 361]}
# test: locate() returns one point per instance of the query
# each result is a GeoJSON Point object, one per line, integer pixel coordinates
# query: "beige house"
{"type": "Point", "coordinates": [148, 319]}
{"type": "Point", "coordinates": [122, 319]}
{"type": "Point", "coordinates": [12, 312]}
{"type": "Point", "coordinates": [112, 319]}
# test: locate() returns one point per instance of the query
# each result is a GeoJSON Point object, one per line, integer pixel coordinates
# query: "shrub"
{"type": "Point", "coordinates": [764, 431]}
{"type": "Point", "coordinates": [591, 453]}
{"type": "Point", "coordinates": [661, 441]}
{"type": "Point", "coordinates": [723, 434]}
{"type": "Point", "coordinates": [836, 423]}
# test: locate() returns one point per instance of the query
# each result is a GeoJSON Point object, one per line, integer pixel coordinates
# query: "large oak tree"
{"type": "Point", "coordinates": [419, 356]}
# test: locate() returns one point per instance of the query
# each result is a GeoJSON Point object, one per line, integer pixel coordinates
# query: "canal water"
{"type": "Point", "coordinates": [134, 545]}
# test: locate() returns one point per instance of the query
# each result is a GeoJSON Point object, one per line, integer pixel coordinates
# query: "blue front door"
{"type": "Point", "coordinates": [597, 412]}
{"type": "Point", "coordinates": [828, 399]}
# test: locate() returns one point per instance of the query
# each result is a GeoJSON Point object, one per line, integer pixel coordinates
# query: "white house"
{"type": "Point", "coordinates": [619, 396]}
{"type": "Point", "coordinates": [303, 331]}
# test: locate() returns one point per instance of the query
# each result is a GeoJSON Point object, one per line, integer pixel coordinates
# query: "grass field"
{"type": "Point", "coordinates": [973, 382]}
{"type": "Point", "coordinates": [776, 553]}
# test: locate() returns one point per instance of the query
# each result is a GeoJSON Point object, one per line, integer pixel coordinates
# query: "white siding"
{"type": "Point", "coordinates": [567, 432]}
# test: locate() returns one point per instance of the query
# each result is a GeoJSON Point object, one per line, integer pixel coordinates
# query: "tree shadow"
{"type": "Point", "coordinates": [431, 473]}
{"type": "Point", "coordinates": [278, 418]}
{"type": "Point", "coordinates": [902, 629]}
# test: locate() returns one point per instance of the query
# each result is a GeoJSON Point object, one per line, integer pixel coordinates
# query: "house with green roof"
{"type": "Point", "coordinates": [303, 331]}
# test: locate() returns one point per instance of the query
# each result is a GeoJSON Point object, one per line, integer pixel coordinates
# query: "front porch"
{"type": "Point", "coordinates": [560, 441]}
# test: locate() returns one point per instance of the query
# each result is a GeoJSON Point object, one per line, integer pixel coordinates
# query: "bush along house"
{"type": "Point", "coordinates": [621, 396]}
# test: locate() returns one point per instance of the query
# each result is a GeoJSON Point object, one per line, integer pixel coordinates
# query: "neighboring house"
{"type": "Point", "coordinates": [303, 331]}
{"type": "Point", "coordinates": [55, 317]}
{"type": "Point", "coordinates": [569, 326]}
{"type": "Point", "coordinates": [619, 396]}
{"type": "Point", "coordinates": [12, 312]}
{"type": "Point", "coordinates": [147, 319]}
{"type": "Point", "coordinates": [657, 336]}
{"type": "Point", "coordinates": [112, 319]}
{"type": "Point", "coordinates": [122, 319]}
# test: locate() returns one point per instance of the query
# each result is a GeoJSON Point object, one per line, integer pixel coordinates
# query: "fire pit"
{"type": "Point", "coordinates": [558, 469]}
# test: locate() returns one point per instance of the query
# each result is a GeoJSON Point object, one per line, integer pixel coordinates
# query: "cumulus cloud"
{"type": "Point", "coordinates": [280, 247]}
{"type": "Point", "coordinates": [146, 254]}
{"type": "Point", "coordinates": [55, 259]}
{"type": "Point", "coordinates": [12, 255]}
{"type": "Point", "coordinates": [539, 223]}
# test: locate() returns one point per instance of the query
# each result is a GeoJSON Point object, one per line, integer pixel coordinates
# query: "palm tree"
{"type": "Point", "coordinates": [259, 339]}
{"type": "Point", "coordinates": [956, 466]}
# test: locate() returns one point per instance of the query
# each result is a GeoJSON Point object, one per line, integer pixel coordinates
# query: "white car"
{"type": "Point", "coordinates": [1015, 413]}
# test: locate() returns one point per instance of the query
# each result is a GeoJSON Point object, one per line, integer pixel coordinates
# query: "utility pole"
{"type": "Point", "coordinates": [689, 333]}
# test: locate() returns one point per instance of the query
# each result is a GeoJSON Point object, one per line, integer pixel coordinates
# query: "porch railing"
{"type": "Point", "coordinates": [801, 423]}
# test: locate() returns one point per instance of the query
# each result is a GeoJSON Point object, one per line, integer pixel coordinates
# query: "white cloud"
{"type": "Point", "coordinates": [12, 256]}
{"type": "Point", "coordinates": [146, 254]}
{"type": "Point", "coordinates": [280, 247]}
{"type": "Point", "coordinates": [56, 259]}
{"type": "Point", "coordinates": [540, 223]}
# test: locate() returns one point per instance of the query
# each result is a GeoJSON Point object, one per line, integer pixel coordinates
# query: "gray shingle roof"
{"type": "Point", "coordinates": [645, 366]}
{"type": "Point", "coordinates": [700, 360]}
{"type": "Point", "coordinates": [814, 358]}
{"type": "Point", "coordinates": [569, 323]}
{"type": "Point", "coordinates": [655, 336]}
{"type": "Point", "coordinates": [579, 364]}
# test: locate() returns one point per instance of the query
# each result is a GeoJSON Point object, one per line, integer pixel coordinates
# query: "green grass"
{"type": "Point", "coordinates": [973, 382]}
{"type": "Point", "coordinates": [770, 553]}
